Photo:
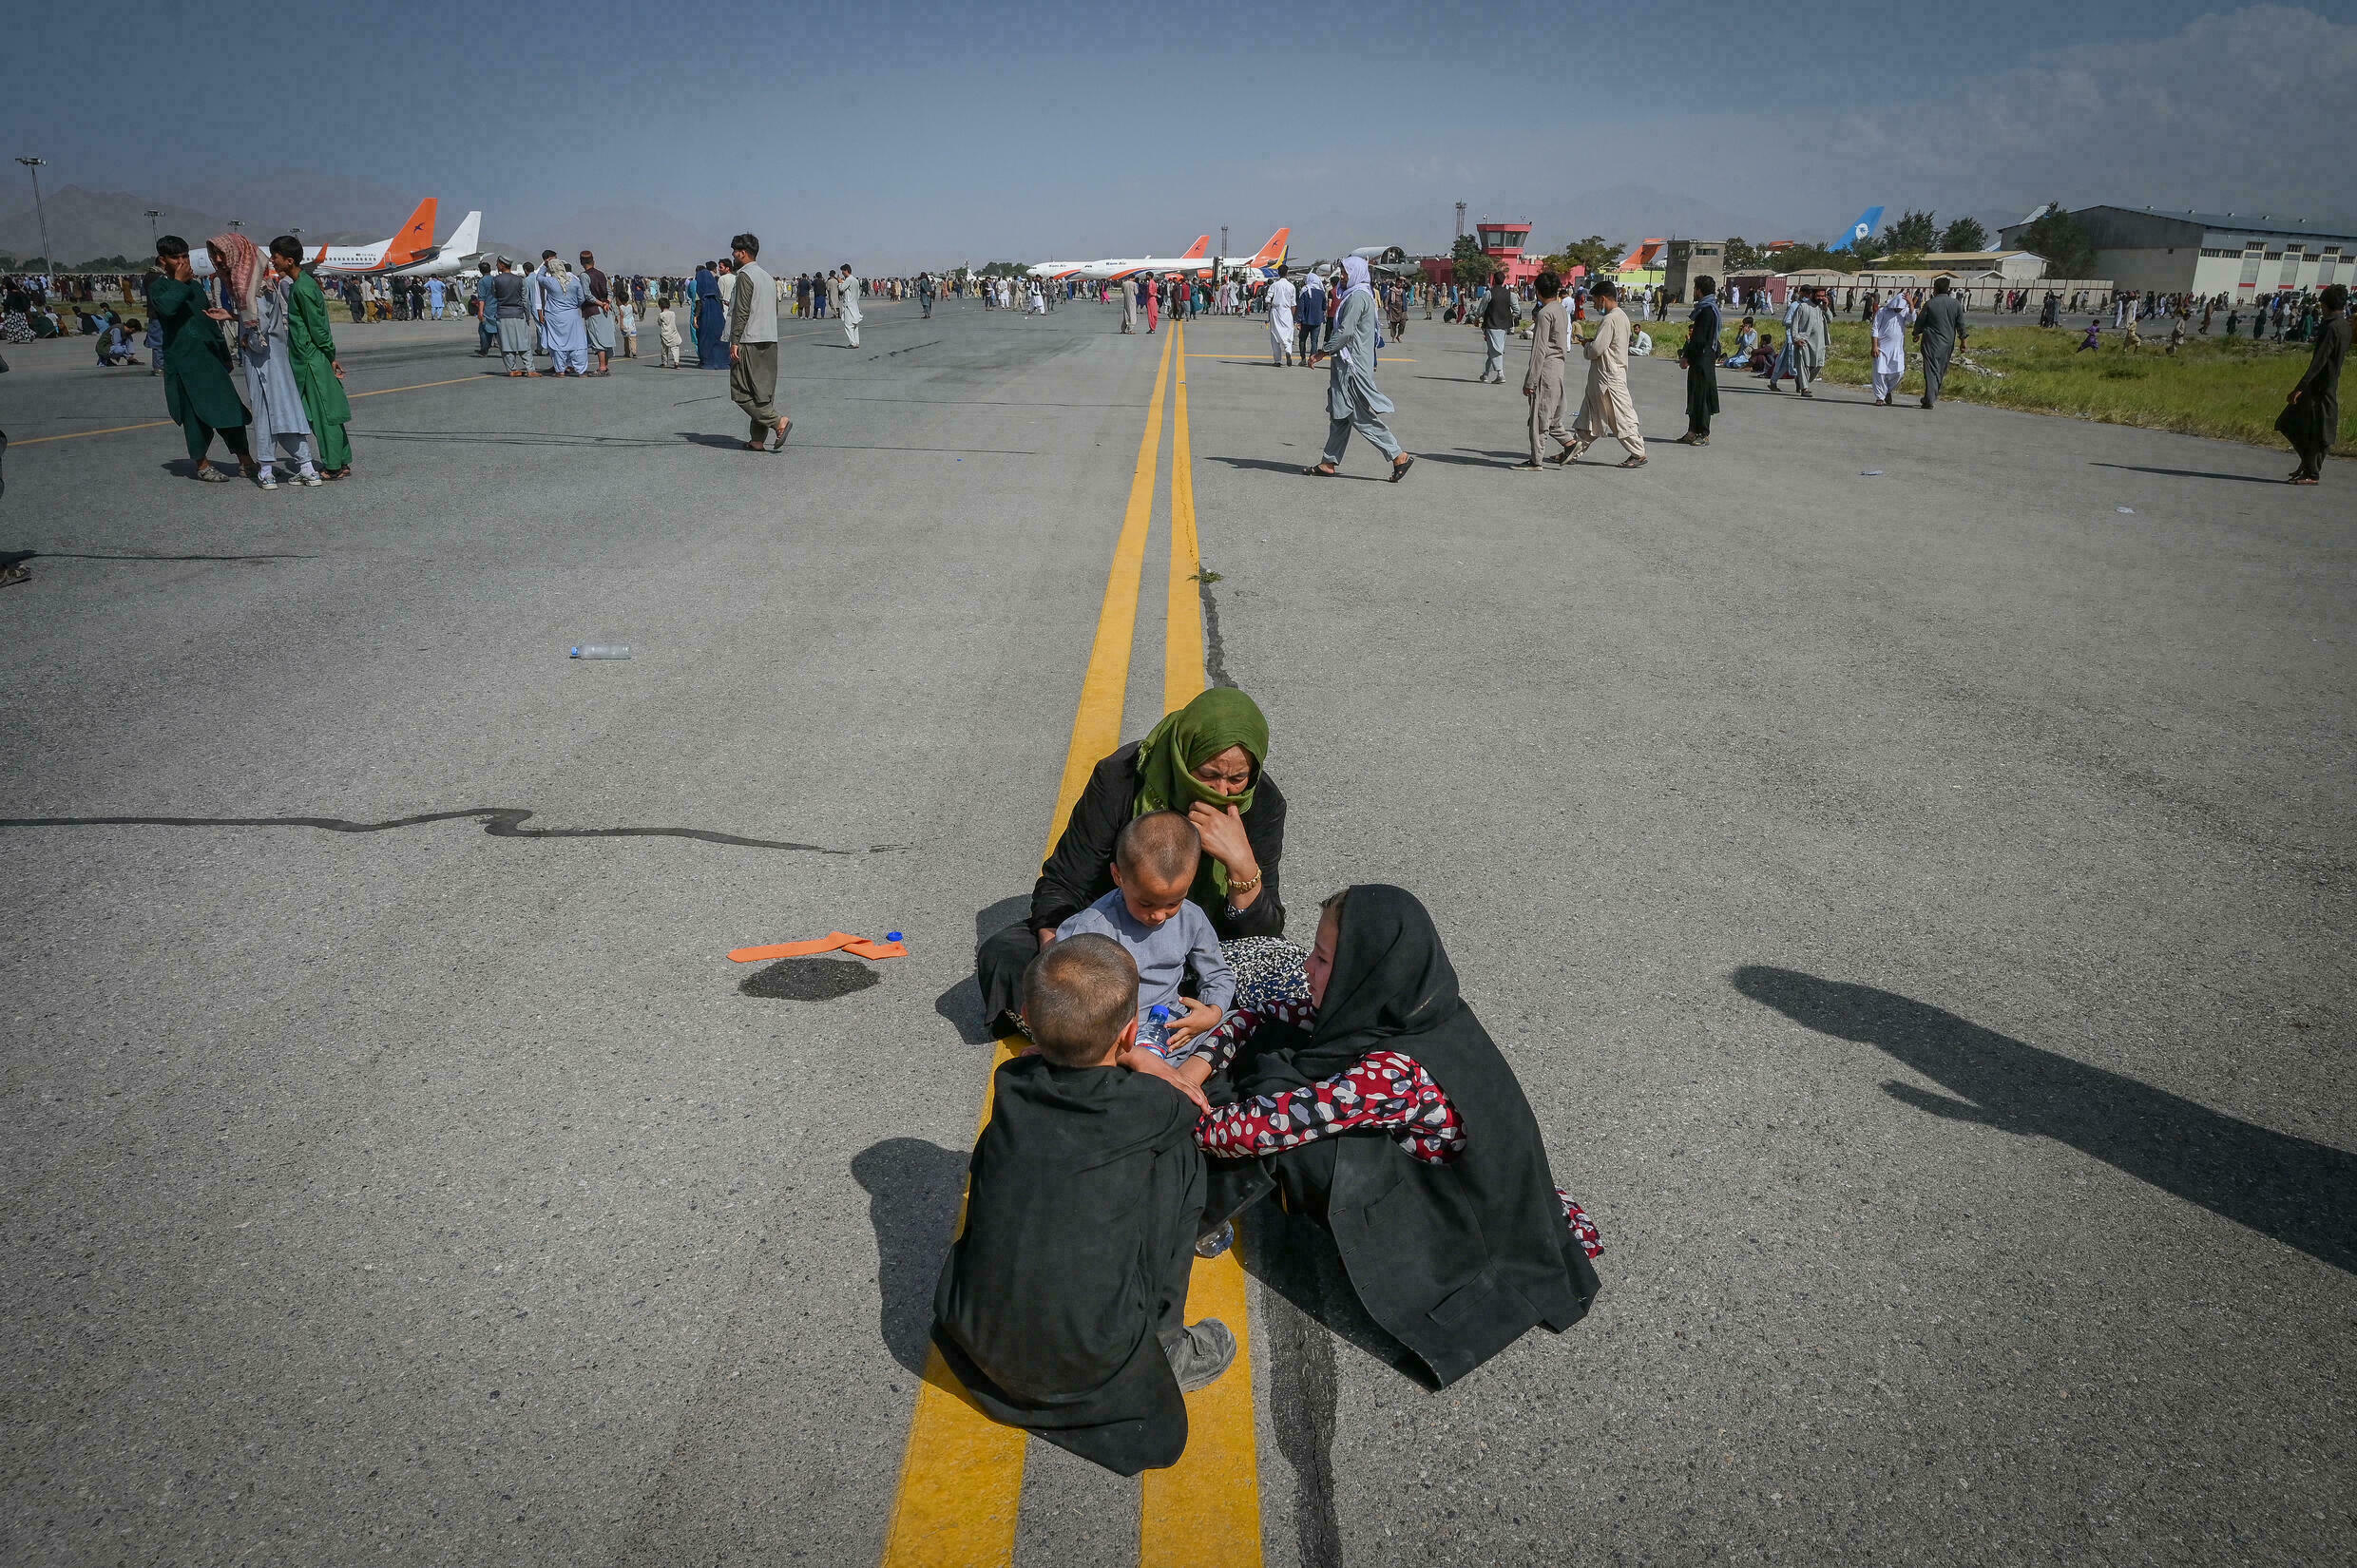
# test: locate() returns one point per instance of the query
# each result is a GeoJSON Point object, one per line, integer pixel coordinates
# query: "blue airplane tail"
{"type": "Point", "coordinates": [1864, 228]}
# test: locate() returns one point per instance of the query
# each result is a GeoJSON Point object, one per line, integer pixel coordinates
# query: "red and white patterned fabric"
{"type": "Point", "coordinates": [1385, 1091]}
{"type": "Point", "coordinates": [1382, 1089]}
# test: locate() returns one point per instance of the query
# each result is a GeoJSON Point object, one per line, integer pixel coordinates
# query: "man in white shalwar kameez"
{"type": "Point", "coordinates": [1281, 317]}
{"type": "Point", "coordinates": [847, 285]}
{"type": "Point", "coordinates": [1891, 319]}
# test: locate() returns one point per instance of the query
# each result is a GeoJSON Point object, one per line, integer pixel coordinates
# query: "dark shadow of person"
{"type": "Point", "coordinates": [2301, 1192]}
{"type": "Point", "coordinates": [913, 1189]}
{"type": "Point", "coordinates": [962, 1003]}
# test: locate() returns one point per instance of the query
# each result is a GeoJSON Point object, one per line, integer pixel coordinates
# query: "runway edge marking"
{"type": "Point", "coordinates": [961, 1475]}
{"type": "Point", "coordinates": [160, 424]}
{"type": "Point", "coordinates": [1206, 1508]}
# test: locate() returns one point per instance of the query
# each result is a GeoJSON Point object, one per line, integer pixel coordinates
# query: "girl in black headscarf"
{"type": "Point", "coordinates": [1382, 1109]}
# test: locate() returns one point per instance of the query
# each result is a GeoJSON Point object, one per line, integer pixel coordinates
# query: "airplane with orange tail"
{"type": "Point", "coordinates": [410, 246]}
{"type": "Point", "coordinates": [1114, 269]}
{"type": "Point", "coordinates": [1052, 270]}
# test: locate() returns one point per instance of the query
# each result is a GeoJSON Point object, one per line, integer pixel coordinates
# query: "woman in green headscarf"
{"type": "Point", "coordinates": [1204, 759]}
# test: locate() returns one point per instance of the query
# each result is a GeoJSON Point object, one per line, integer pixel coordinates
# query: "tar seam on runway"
{"type": "Point", "coordinates": [498, 822]}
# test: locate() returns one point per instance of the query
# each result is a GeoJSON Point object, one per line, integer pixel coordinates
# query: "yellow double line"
{"type": "Point", "coordinates": [960, 1476]}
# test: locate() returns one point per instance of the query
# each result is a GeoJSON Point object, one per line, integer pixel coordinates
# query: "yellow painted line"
{"type": "Point", "coordinates": [111, 430]}
{"type": "Point", "coordinates": [1264, 358]}
{"type": "Point", "coordinates": [1097, 728]}
{"type": "Point", "coordinates": [1206, 1508]}
{"type": "Point", "coordinates": [1182, 651]}
{"type": "Point", "coordinates": [961, 1476]}
{"type": "Point", "coordinates": [159, 424]}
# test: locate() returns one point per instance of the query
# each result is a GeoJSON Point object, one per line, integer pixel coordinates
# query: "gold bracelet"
{"type": "Point", "coordinates": [1236, 887]}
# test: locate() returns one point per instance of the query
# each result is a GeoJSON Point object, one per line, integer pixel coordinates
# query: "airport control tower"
{"type": "Point", "coordinates": [1503, 243]}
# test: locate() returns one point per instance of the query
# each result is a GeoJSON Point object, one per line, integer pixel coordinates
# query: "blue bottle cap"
{"type": "Point", "coordinates": [892, 936]}
{"type": "Point", "coordinates": [1158, 1013]}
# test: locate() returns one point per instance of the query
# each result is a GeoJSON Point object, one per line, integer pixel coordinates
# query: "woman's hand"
{"type": "Point", "coordinates": [1224, 839]}
{"type": "Point", "coordinates": [218, 314]}
{"type": "Point", "coordinates": [1137, 1060]}
{"type": "Point", "coordinates": [337, 365]}
{"type": "Point", "coordinates": [1202, 1017]}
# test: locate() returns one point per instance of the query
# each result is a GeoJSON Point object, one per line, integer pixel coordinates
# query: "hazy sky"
{"type": "Point", "coordinates": [903, 133]}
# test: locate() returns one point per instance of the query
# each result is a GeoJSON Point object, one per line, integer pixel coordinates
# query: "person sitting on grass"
{"type": "Point", "coordinates": [1746, 339]}
{"type": "Point", "coordinates": [1062, 1307]}
{"type": "Point", "coordinates": [1148, 912]}
{"type": "Point", "coordinates": [1763, 361]}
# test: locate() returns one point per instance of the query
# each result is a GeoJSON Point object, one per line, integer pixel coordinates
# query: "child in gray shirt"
{"type": "Point", "coordinates": [1165, 932]}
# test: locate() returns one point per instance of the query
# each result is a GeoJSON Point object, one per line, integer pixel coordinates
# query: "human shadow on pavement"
{"type": "Point", "coordinates": [913, 1189]}
{"type": "Point", "coordinates": [1274, 465]}
{"type": "Point", "coordinates": [962, 1003]}
{"type": "Point", "coordinates": [2303, 1193]}
{"type": "Point", "coordinates": [1456, 460]}
{"type": "Point", "coordinates": [2188, 473]}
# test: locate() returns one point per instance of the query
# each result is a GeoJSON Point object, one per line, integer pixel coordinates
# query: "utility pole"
{"type": "Point", "coordinates": [153, 213]}
{"type": "Point", "coordinates": [1224, 239]}
{"type": "Point", "coordinates": [33, 166]}
{"type": "Point", "coordinates": [1461, 221]}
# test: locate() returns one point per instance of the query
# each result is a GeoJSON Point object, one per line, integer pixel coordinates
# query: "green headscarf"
{"type": "Point", "coordinates": [1184, 741]}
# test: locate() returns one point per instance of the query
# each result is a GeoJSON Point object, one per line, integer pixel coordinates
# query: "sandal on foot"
{"type": "Point", "coordinates": [1632, 462]}
{"type": "Point", "coordinates": [10, 576]}
{"type": "Point", "coordinates": [1319, 471]}
{"type": "Point", "coordinates": [1399, 470]}
{"type": "Point", "coordinates": [210, 474]}
{"type": "Point", "coordinates": [785, 428]}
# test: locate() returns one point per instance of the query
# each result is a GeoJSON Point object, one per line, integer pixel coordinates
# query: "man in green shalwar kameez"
{"type": "Point", "coordinates": [312, 352]}
{"type": "Point", "coordinates": [197, 390]}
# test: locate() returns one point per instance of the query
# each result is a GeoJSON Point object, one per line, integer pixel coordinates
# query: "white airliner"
{"type": "Point", "coordinates": [1078, 269]}
{"type": "Point", "coordinates": [454, 255]}
{"type": "Point", "coordinates": [1117, 268]}
{"type": "Point", "coordinates": [412, 245]}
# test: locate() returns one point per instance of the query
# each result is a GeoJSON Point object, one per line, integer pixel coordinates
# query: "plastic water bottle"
{"type": "Point", "coordinates": [1153, 1029]}
{"type": "Point", "coordinates": [600, 650]}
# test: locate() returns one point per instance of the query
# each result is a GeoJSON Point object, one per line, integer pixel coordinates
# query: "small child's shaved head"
{"type": "Point", "coordinates": [1076, 998]}
{"type": "Point", "coordinates": [1160, 846]}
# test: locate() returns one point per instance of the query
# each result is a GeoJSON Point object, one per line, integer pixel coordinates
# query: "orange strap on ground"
{"type": "Point", "coordinates": [795, 949]}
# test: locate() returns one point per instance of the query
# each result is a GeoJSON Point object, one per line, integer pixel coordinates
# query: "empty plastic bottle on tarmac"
{"type": "Point", "coordinates": [601, 650]}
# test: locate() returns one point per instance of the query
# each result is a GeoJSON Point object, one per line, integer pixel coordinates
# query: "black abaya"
{"type": "Point", "coordinates": [1456, 1261]}
{"type": "Point", "coordinates": [1087, 1197]}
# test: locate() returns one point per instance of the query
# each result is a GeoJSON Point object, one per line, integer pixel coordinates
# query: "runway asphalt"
{"type": "Point", "coordinates": [1906, 858]}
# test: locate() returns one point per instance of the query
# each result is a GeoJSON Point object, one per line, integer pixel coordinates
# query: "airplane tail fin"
{"type": "Point", "coordinates": [1198, 250]}
{"type": "Point", "coordinates": [466, 239]}
{"type": "Point", "coordinates": [1862, 229]}
{"type": "Point", "coordinates": [415, 236]}
{"type": "Point", "coordinates": [1273, 252]}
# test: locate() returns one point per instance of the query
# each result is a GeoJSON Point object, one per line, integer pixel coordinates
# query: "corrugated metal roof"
{"type": "Point", "coordinates": [2248, 222]}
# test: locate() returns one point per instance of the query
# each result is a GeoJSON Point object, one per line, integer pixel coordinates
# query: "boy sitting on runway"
{"type": "Point", "coordinates": [1062, 1307]}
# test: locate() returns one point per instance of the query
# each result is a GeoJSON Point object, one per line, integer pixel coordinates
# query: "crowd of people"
{"type": "Point", "coordinates": [263, 313]}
